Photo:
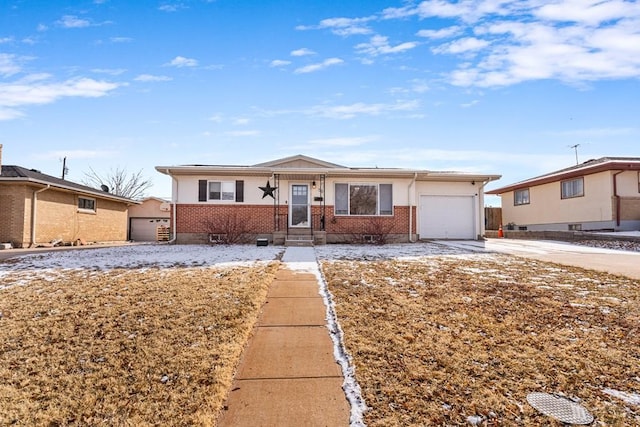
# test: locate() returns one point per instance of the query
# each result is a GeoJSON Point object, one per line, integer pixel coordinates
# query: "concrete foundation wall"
{"type": "Point", "coordinates": [566, 236]}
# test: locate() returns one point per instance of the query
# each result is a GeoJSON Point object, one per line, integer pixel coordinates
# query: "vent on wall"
{"type": "Point", "coordinates": [575, 227]}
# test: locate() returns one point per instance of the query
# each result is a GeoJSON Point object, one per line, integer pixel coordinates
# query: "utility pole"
{"type": "Point", "coordinates": [575, 147]}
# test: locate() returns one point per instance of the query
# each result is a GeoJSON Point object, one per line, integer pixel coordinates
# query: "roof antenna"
{"type": "Point", "coordinates": [575, 147]}
{"type": "Point", "coordinates": [65, 169]}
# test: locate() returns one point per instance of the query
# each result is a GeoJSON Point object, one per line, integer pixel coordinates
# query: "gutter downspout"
{"type": "Point", "coordinates": [175, 210]}
{"type": "Point", "coordinates": [481, 219]}
{"type": "Point", "coordinates": [616, 196]}
{"type": "Point", "coordinates": [34, 203]}
{"type": "Point", "coordinates": [412, 184]}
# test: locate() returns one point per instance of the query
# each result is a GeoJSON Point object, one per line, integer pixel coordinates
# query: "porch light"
{"type": "Point", "coordinates": [313, 185]}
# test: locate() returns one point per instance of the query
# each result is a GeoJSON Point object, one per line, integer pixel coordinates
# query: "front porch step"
{"type": "Point", "coordinates": [299, 240]}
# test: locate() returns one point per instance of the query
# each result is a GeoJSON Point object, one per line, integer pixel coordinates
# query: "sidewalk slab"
{"type": "Point", "coordinates": [297, 276]}
{"type": "Point", "coordinates": [292, 312]}
{"type": "Point", "coordinates": [288, 402]}
{"type": "Point", "coordinates": [289, 352]}
{"type": "Point", "coordinates": [294, 289]}
{"type": "Point", "coordinates": [288, 375]}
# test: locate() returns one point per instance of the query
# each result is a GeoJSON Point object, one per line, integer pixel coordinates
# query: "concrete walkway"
{"type": "Point", "coordinates": [288, 375]}
{"type": "Point", "coordinates": [607, 260]}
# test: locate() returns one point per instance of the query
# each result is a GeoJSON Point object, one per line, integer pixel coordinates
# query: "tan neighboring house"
{"type": "Point", "coordinates": [303, 198]}
{"type": "Point", "coordinates": [149, 221]}
{"type": "Point", "coordinates": [38, 209]}
{"type": "Point", "coordinates": [600, 194]}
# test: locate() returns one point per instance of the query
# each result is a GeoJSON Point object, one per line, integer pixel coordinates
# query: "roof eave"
{"type": "Point", "coordinates": [555, 177]}
{"type": "Point", "coordinates": [44, 184]}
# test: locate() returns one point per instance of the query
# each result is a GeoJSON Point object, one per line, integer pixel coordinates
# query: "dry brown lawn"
{"type": "Point", "coordinates": [125, 347]}
{"type": "Point", "coordinates": [437, 340]}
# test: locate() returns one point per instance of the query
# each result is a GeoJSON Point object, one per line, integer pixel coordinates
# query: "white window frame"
{"type": "Point", "coordinates": [348, 195]}
{"type": "Point", "coordinates": [519, 201]}
{"type": "Point", "coordinates": [569, 188]}
{"type": "Point", "coordinates": [84, 209]}
{"type": "Point", "coordinates": [223, 184]}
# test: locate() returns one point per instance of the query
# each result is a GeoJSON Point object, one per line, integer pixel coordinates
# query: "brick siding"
{"type": "Point", "coordinates": [57, 217]}
{"type": "Point", "coordinates": [192, 221]}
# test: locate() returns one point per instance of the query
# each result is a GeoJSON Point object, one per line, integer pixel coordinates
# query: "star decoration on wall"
{"type": "Point", "coordinates": [268, 190]}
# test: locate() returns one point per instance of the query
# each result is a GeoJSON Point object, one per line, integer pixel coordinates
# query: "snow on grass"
{"type": "Point", "coordinates": [53, 264]}
{"type": "Point", "coordinates": [630, 398]}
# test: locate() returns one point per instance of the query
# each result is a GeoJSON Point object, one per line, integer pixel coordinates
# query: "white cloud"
{"type": "Point", "coordinates": [42, 28]}
{"type": "Point", "coordinates": [342, 26]}
{"type": "Point", "coordinates": [379, 45]}
{"type": "Point", "coordinates": [152, 78]}
{"type": "Point", "coordinates": [6, 40]}
{"type": "Point", "coordinates": [181, 61]}
{"type": "Point", "coordinates": [9, 114]}
{"type": "Point", "coordinates": [317, 67]}
{"type": "Point", "coordinates": [302, 52]}
{"type": "Point", "coordinates": [243, 133]}
{"type": "Point", "coordinates": [36, 90]}
{"type": "Point", "coordinates": [72, 21]}
{"type": "Point", "coordinates": [241, 121]}
{"type": "Point", "coordinates": [512, 41]}
{"type": "Point", "coordinates": [171, 7]}
{"type": "Point", "coordinates": [589, 12]}
{"type": "Point", "coordinates": [110, 71]}
{"type": "Point", "coordinates": [574, 41]}
{"type": "Point", "coordinates": [361, 108]}
{"type": "Point", "coordinates": [121, 39]}
{"type": "Point", "coordinates": [467, 44]}
{"type": "Point", "coordinates": [470, 104]}
{"type": "Point", "coordinates": [442, 33]}
{"type": "Point", "coordinates": [279, 63]}
{"type": "Point", "coordinates": [343, 141]}
{"type": "Point", "coordinates": [8, 64]}
{"type": "Point", "coordinates": [217, 118]}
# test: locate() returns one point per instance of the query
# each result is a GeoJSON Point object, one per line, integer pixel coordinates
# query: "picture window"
{"type": "Point", "coordinates": [363, 199]}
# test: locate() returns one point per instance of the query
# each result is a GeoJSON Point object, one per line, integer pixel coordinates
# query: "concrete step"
{"type": "Point", "coordinates": [298, 242]}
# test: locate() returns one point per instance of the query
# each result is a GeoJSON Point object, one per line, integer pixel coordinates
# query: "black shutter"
{"type": "Point", "coordinates": [202, 190]}
{"type": "Point", "coordinates": [239, 191]}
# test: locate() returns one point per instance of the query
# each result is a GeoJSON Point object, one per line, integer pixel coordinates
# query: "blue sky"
{"type": "Point", "coordinates": [491, 86]}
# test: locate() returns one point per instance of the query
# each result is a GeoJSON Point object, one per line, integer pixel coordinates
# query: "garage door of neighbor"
{"type": "Point", "coordinates": [446, 217]}
{"type": "Point", "coordinates": [145, 229]}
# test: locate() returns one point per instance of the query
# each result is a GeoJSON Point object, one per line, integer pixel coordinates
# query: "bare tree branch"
{"type": "Point", "coordinates": [120, 182]}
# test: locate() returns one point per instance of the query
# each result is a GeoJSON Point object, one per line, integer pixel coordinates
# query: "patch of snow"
{"type": "Point", "coordinates": [630, 398]}
{"type": "Point", "coordinates": [474, 420]}
{"type": "Point", "coordinates": [50, 265]}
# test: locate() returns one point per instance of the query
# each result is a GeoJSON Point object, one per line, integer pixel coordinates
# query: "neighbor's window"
{"type": "Point", "coordinates": [363, 199]}
{"type": "Point", "coordinates": [222, 190]}
{"type": "Point", "coordinates": [86, 204]}
{"type": "Point", "coordinates": [572, 188]}
{"type": "Point", "coordinates": [521, 197]}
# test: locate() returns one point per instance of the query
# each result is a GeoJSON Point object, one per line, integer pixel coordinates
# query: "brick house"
{"type": "Point", "coordinates": [37, 209]}
{"type": "Point", "coordinates": [302, 198]}
{"type": "Point", "coordinates": [599, 194]}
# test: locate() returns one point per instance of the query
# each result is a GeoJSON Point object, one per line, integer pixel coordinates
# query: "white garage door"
{"type": "Point", "coordinates": [446, 217]}
{"type": "Point", "coordinates": [145, 229]}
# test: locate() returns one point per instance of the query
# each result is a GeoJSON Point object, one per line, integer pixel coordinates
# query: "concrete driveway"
{"type": "Point", "coordinates": [608, 260]}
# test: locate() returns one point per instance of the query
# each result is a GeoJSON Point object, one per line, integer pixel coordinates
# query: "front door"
{"type": "Point", "coordinates": [299, 206]}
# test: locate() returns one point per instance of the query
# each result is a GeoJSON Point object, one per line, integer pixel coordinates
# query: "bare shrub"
{"type": "Point", "coordinates": [228, 229]}
{"type": "Point", "coordinates": [374, 230]}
